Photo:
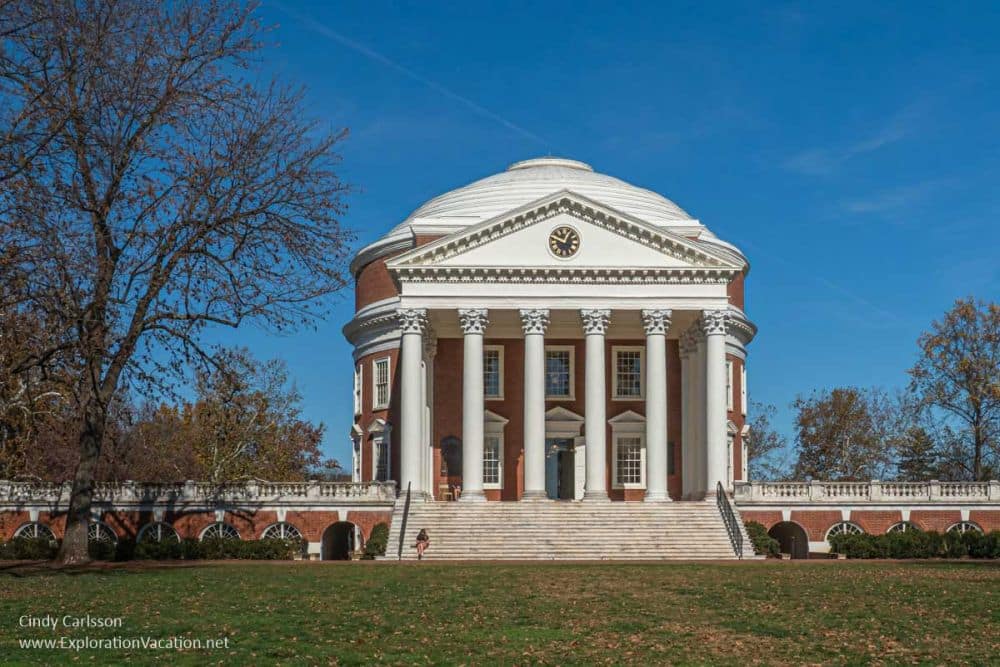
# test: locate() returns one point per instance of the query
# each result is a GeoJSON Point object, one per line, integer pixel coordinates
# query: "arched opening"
{"type": "Point", "coordinates": [340, 541]}
{"type": "Point", "coordinates": [792, 538]}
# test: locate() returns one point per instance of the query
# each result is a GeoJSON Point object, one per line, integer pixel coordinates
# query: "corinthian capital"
{"type": "Point", "coordinates": [473, 320]}
{"type": "Point", "coordinates": [688, 344]}
{"type": "Point", "coordinates": [713, 322]}
{"type": "Point", "coordinates": [656, 321]}
{"type": "Point", "coordinates": [534, 320]}
{"type": "Point", "coordinates": [595, 321]}
{"type": "Point", "coordinates": [412, 320]}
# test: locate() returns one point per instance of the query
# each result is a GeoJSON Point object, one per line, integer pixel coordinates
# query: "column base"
{"type": "Point", "coordinates": [472, 497]}
{"type": "Point", "coordinates": [534, 496]}
{"type": "Point", "coordinates": [596, 496]}
{"type": "Point", "coordinates": [657, 497]}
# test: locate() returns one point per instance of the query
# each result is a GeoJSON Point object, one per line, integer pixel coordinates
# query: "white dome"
{"type": "Point", "coordinates": [530, 180]}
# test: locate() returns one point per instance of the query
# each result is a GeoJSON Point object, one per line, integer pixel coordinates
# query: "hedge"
{"type": "Point", "coordinates": [763, 544]}
{"type": "Point", "coordinates": [22, 548]}
{"type": "Point", "coordinates": [918, 544]}
{"type": "Point", "coordinates": [378, 541]}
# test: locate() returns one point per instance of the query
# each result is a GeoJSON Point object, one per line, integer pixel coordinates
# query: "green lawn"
{"type": "Point", "coordinates": [360, 613]}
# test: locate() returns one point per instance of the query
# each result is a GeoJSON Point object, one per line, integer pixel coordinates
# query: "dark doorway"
{"type": "Point", "coordinates": [567, 481]}
{"type": "Point", "coordinates": [338, 541]}
{"type": "Point", "coordinates": [792, 538]}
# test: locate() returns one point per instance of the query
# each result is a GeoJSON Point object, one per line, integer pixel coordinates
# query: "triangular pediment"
{"type": "Point", "coordinates": [609, 242]}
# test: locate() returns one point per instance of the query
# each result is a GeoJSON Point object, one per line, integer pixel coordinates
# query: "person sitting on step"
{"type": "Point", "coordinates": [422, 542]}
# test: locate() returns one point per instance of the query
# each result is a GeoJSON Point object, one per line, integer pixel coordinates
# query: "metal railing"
{"type": "Point", "coordinates": [729, 518]}
{"type": "Point", "coordinates": [402, 524]}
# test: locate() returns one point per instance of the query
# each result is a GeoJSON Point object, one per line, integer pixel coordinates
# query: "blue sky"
{"type": "Point", "coordinates": [850, 151]}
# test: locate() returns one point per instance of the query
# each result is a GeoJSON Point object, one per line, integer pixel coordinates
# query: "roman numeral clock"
{"type": "Point", "coordinates": [564, 242]}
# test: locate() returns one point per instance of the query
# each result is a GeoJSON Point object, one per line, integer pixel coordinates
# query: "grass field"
{"type": "Point", "coordinates": [361, 613]}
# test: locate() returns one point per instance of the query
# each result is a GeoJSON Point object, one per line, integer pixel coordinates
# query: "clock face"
{"type": "Point", "coordinates": [564, 242]}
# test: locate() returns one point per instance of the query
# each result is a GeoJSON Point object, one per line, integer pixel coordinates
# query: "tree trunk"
{"type": "Point", "coordinates": [74, 546]}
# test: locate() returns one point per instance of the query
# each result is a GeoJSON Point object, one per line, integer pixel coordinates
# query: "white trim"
{"type": "Point", "coordinates": [201, 535]}
{"type": "Point", "coordinates": [376, 405]}
{"type": "Point", "coordinates": [359, 375]}
{"type": "Point", "coordinates": [743, 388]}
{"type": "Point", "coordinates": [730, 388]}
{"type": "Point", "coordinates": [381, 440]}
{"type": "Point", "coordinates": [628, 424]}
{"type": "Point", "coordinates": [493, 426]}
{"type": "Point", "coordinates": [499, 349]}
{"type": "Point", "coordinates": [615, 349]}
{"type": "Point", "coordinates": [572, 372]}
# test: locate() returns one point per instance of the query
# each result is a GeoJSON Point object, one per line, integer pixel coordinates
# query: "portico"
{"type": "Point", "coordinates": [585, 344]}
{"type": "Point", "coordinates": [602, 333]}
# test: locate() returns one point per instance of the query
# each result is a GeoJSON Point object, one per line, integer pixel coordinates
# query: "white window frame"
{"type": "Point", "coordinates": [381, 442]}
{"type": "Point", "coordinates": [388, 383]}
{"type": "Point", "coordinates": [493, 426]}
{"type": "Point", "coordinates": [358, 384]}
{"type": "Point", "coordinates": [356, 456]}
{"type": "Point", "coordinates": [628, 424]}
{"type": "Point", "coordinates": [499, 483]}
{"type": "Point", "coordinates": [729, 385]}
{"type": "Point", "coordinates": [500, 384]}
{"type": "Point", "coordinates": [572, 372]}
{"type": "Point", "coordinates": [743, 388]}
{"type": "Point", "coordinates": [615, 392]}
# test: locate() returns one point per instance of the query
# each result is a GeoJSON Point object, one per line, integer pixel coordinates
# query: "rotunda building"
{"type": "Point", "coordinates": [550, 333]}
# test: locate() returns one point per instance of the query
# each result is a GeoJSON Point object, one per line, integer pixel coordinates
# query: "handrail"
{"type": "Point", "coordinates": [729, 518]}
{"type": "Point", "coordinates": [402, 524]}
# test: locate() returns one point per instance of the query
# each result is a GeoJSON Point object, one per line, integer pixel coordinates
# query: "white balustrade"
{"type": "Point", "coordinates": [863, 492]}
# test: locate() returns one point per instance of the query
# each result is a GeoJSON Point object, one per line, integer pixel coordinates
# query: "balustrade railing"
{"type": "Point", "coordinates": [861, 492]}
{"type": "Point", "coordinates": [190, 492]}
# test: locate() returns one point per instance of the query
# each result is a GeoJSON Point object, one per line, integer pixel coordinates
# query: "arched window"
{"type": "Point", "coordinates": [281, 531]}
{"type": "Point", "coordinates": [35, 530]}
{"type": "Point", "coordinates": [98, 531]}
{"type": "Point", "coordinates": [965, 527]}
{"type": "Point", "coordinates": [902, 527]}
{"type": "Point", "coordinates": [844, 528]}
{"type": "Point", "coordinates": [220, 531]}
{"type": "Point", "coordinates": [158, 532]}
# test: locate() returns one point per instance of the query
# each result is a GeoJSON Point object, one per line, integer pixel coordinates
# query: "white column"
{"type": "Point", "coordinates": [687, 347]}
{"type": "Point", "coordinates": [714, 325]}
{"type": "Point", "coordinates": [430, 351]}
{"type": "Point", "coordinates": [698, 368]}
{"type": "Point", "coordinates": [474, 323]}
{"type": "Point", "coordinates": [595, 325]}
{"type": "Point", "coordinates": [413, 322]}
{"type": "Point", "coordinates": [656, 323]}
{"type": "Point", "coordinates": [534, 323]}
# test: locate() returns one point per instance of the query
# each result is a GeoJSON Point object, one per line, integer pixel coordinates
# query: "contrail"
{"type": "Point", "coordinates": [405, 71]}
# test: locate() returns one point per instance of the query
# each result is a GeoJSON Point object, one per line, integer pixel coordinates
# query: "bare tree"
{"type": "Point", "coordinates": [958, 375]}
{"type": "Point", "coordinates": [156, 190]}
{"type": "Point", "coordinates": [767, 448]}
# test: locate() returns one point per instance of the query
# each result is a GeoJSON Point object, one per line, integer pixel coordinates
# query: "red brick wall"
{"type": "Point", "coordinates": [369, 415]}
{"type": "Point", "coordinates": [988, 520]}
{"type": "Point", "coordinates": [251, 524]}
{"type": "Point", "coordinates": [817, 522]}
{"type": "Point", "coordinates": [373, 281]}
{"type": "Point", "coordinates": [876, 522]}
{"type": "Point", "coordinates": [735, 291]}
{"type": "Point", "coordinates": [939, 520]}
{"type": "Point", "coordinates": [766, 518]}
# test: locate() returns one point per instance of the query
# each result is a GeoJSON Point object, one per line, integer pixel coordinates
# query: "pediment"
{"type": "Point", "coordinates": [613, 246]}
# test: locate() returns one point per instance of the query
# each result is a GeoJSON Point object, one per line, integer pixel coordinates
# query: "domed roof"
{"type": "Point", "coordinates": [530, 180]}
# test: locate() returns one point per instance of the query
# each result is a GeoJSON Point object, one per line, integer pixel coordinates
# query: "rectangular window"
{"type": "Point", "coordinates": [627, 380]}
{"type": "Point", "coordinates": [628, 461]}
{"type": "Point", "coordinates": [380, 389]}
{"type": "Point", "coordinates": [559, 371]}
{"type": "Point", "coordinates": [381, 450]}
{"type": "Point", "coordinates": [743, 389]}
{"type": "Point", "coordinates": [729, 385]}
{"type": "Point", "coordinates": [493, 371]}
{"type": "Point", "coordinates": [492, 461]}
{"type": "Point", "coordinates": [357, 389]}
{"type": "Point", "coordinates": [356, 468]}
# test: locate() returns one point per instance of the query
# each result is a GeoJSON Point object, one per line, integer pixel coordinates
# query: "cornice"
{"type": "Point", "coordinates": [381, 248]}
{"type": "Point", "coordinates": [560, 274]}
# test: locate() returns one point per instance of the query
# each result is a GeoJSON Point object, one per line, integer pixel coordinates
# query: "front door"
{"type": "Point", "coordinates": [559, 473]}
